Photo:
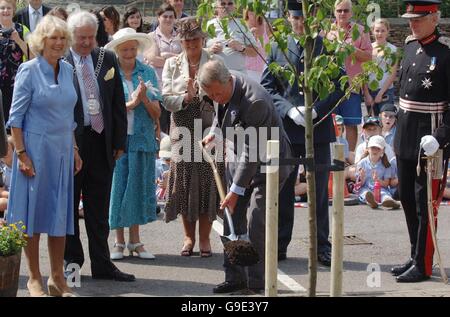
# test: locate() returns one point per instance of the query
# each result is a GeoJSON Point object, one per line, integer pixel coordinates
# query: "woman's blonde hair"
{"type": "Point", "coordinates": [13, 3]}
{"type": "Point", "coordinates": [46, 27]}
{"type": "Point", "coordinates": [382, 21]}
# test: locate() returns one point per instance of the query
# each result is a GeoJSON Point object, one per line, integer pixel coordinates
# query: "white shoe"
{"type": "Point", "coordinates": [390, 203]}
{"type": "Point", "coordinates": [132, 247]}
{"type": "Point", "coordinates": [118, 255]}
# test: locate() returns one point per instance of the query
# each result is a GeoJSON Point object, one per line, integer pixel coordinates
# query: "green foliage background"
{"type": "Point", "coordinates": [389, 8]}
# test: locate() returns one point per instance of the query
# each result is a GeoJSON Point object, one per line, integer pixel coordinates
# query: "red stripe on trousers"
{"type": "Point", "coordinates": [429, 246]}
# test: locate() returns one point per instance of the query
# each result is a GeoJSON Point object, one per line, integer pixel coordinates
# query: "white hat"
{"type": "Point", "coordinates": [377, 141]}
{"type": "Point", "coordinates": [165, 148]}
{"type": "Point", "coordinates": [129, 34]}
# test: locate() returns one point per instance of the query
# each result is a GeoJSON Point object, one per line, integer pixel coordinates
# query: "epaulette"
{"type": "Point", "coordinates": [410, 38]}
{"type": "Point", "coordinates": [444, 40]}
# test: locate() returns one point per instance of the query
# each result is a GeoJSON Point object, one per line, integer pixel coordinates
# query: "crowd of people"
{"type": "Point", "coordinates": [98, 109]}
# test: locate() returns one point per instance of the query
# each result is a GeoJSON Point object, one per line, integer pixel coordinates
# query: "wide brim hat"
{"type": "Point", "coordinates": [130, 34]}
{"type": "Point", "coordinates": [418, 9]}
{"type": "Point", "coordinates": [189, 28]}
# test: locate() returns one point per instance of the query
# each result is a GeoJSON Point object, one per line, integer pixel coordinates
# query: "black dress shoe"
{"type": "Point", "coordinates": [115, 275]}
{"type": "Point", "coordinates": [282, 256]}
{"type": "Point", "coordinates": [400, 269]}
{"type": "Point", "coordinates": [228, 287]}
{"type": "Point", "coordinates": [412, 275]}
{"type": "Point", "coordinates": [257, 290]}
{"type": "Point", "coordinates": [324, 258]}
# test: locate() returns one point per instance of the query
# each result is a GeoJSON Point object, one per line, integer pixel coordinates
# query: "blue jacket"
{"type": "Point", "coordinates": [144, 138]}
{"type": "Point", "coordinates": [286, 97]}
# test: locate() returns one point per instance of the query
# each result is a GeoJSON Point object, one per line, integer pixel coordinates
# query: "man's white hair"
{"type": "Point", "coordinates": [82, 18]}
{"type": "Point", "coordinates": [338, 2]}
{"type": "Point", "coordinates": [211, 71]}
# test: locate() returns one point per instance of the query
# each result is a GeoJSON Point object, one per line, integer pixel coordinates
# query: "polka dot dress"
{"type": "Point", "coordinates": [192, 190]}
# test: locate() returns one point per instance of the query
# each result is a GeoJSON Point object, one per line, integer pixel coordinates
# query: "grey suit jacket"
{"type": "Point", "coordinates": [251, 107]}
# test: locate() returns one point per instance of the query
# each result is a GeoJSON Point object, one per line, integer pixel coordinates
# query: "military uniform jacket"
{"type": "Point", "coordinates": [424, 90]}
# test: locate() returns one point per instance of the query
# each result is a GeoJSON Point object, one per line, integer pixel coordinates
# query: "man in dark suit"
{"type": "Point", "coordinates": [101, 132]}
{"type": "Point", "coordinates": [289, 101]}
{"type": "Point", "coordinates": [245, 119]}
{"type": "Point", "coordinates": [31, 14]}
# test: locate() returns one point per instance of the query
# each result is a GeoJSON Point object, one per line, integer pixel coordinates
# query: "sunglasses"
{"type": "Point", "coordinates": [224, 4]}
{"type": "Point", "coordinates": [342, 10]}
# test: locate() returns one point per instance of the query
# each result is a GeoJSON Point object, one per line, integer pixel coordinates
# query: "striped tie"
{"type": "Point", "coordinates": [91, 92]}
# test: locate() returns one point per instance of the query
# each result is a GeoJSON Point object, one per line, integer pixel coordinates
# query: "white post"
{"type": "Point", "coordinates": [337, 226]}
{"type": "Point", "coordinates": [272, 184]}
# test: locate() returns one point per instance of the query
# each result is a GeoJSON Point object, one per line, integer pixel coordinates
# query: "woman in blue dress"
{"type": "Point", "coordinates": [42, 124]}
{"type": "Point", "coordinates": [133, 199]}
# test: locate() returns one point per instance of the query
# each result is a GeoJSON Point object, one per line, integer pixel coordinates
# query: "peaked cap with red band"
{"type": "Point", "coordinates": [417, 9]}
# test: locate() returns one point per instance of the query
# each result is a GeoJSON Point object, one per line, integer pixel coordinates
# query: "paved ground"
{"type": "Point", "coordinates": [173, 275]}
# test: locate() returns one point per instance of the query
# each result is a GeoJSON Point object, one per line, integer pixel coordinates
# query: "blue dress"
{"type": "Point", "coordinates": [44, 110]}
{"type": "Point", "coordinates": [133, 192]}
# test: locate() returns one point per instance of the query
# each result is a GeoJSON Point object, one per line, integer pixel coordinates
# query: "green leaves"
{"type": "Point", "coordinates": [319, 23]}
{"type": "Point", "coordinates": [355, 33]}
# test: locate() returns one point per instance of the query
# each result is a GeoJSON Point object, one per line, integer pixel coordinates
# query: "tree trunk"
{"type": "Point", "coordinates": [310, 173]}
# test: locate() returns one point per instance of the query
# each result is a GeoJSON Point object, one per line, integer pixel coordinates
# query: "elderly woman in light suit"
{"type": "Point", "coordinates": [133, 201]}
{"type": "Point", "coordinates": [191, 191]}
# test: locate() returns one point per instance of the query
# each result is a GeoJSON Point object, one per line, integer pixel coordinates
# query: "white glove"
{"type": "Point", "coordinates": [298, 115]}
{"type": "Point", "coordinates": [429, 145]}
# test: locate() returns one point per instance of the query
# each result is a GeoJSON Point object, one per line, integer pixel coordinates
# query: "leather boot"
{"type": "Point", "coordinates": [412, 275]}
{"type": "Point", "coordinates": [400, 269]}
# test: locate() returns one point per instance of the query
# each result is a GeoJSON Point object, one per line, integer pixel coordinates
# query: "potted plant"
{"type": "Point", "coordinates": [12, 240]}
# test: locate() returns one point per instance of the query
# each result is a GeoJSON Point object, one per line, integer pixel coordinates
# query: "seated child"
{"type": "Point", "coordinates": [375, 167]}
{"type": "Point", "coordinates": [447, 187]}
{"type": "Point", "coordinates": [162, 169]}
{"type": "Point", "coordinates": [388, 116]}
{"type": "Point", "coordinates": [340, 139]}
{"type": "Point", "coordinates": [393, 184]}
{"type": "Point", "coordinates": [6, 170]}
{"type": "Point", "coordinates": [371, 126]}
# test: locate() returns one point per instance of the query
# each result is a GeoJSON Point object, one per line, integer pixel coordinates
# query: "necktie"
{"type": "Point", "coordinates": [91, 93]}
{"type": "Point", "coordinates": [37, 17]}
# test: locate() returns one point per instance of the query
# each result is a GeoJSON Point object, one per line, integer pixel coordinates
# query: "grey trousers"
{"type": "Point", "coordinates": [251, 206]}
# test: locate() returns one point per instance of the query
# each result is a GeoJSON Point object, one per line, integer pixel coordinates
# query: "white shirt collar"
{"type": "Point", "coordinates": [31, 10]}
{"type": "Point", "coordinates": [77, 57]}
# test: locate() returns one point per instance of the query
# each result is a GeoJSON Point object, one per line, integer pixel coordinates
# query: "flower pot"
{"type": "Point", "coordinates": [9, 275]}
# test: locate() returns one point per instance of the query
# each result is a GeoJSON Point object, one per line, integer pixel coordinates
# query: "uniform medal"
{"type": "Point", "coordinates": [93, 106]}
{"type": "Point", "coordinates": [433, 63]}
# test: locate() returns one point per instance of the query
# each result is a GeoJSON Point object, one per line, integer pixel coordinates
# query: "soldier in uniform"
{"type": "Point", "coordinates": [423, 123]}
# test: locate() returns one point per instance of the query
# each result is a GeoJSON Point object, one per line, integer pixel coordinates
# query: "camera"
{"type": "Point", "coordinates": [6, 33]}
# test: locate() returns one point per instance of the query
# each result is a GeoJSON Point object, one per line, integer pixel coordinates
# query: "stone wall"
{"type": "Point", "coordinates": [400, 30]}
